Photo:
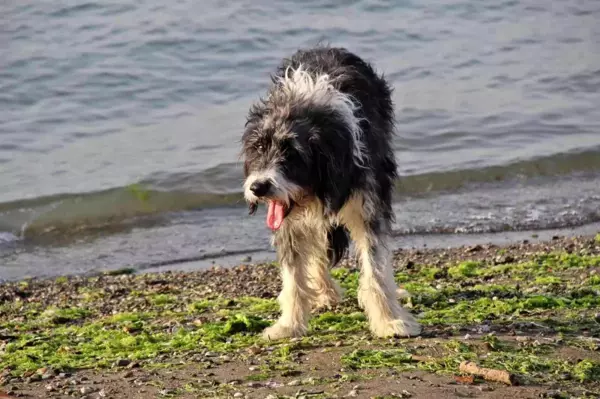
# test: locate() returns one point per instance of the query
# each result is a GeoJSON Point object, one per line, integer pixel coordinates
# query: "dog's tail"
{"type": "Point", "coordinates": [338, 244]}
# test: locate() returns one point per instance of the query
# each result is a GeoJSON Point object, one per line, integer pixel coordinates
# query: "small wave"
{"type": "Point", "coordinates": [7, 238]}
{"type": "Point", "coordinates": [151, 201]}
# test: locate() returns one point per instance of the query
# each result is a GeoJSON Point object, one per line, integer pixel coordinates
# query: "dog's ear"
{"type": "Point", "coordinates": [332, 168]}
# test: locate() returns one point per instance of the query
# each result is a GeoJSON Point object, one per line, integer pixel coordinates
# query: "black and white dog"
{"type": "Point", "coordinates": [317, 150]}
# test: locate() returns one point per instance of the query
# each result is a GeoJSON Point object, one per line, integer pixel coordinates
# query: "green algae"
{"type": "Point", "coordinates": [546, 289]}
{"type": "Point", "coordinates": [464, 270]}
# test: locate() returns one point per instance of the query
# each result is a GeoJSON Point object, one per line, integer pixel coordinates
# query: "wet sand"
{"type": "Point", "coordinates": [531, 309]}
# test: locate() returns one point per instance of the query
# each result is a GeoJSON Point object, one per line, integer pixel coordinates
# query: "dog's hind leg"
{"type": "Point", "coordinates": [296, 294]}
{"type": "Point", "coordinates": [377, 291]}
{"type": "Point", "coordinates": [327, 292]}
{"type": "Point", "coordinates": [329, 248]}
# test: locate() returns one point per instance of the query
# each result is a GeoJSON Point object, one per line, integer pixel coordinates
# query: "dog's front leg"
{"type": "Point", "coordinates": [377, 289]}
{"type": "Point", "coordinates": [378, 293]}
{"type": "Point", "coordinates": [296, 295]}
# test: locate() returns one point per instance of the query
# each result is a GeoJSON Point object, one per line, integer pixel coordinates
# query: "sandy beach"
{"type": "Point", "coordinates": [528, 310]}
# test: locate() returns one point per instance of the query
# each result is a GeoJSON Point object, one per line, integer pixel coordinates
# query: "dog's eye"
{"type": "Point", "coordinates": [260, 148]}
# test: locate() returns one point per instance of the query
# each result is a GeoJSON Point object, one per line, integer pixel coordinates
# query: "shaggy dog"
{"type": "Point", "coordinates": [317, 150]}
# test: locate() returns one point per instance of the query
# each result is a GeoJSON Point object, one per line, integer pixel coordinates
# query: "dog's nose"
{"type": "Point", "coordinates": [260, 188]}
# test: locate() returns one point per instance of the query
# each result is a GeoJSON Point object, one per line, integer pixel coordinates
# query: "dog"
{"type": "Point", "coordinates": [317, 151]}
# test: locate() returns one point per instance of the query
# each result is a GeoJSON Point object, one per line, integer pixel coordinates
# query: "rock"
{"type": "Point", "coordinates": [405, 394]}
{"type": "Point", "coordinates": [273, 384]}
{"type": "Point", "coordinates": [102, 393]}
{"type": "Point", "coordinates": [122, 363]}
{"type": "Point", "coordinates": [290, 373]}
{"type": "Point", "coordinates": [475, 248]}
{"type": "Point", "coordinates": [133, 365]}
{"type": "Point", "coordinates": [238, 395]}
{"type": "Point", "coordinates": [254, 384]}
{"type": "Point", "coordinates": [50, 388]}
{"type": "Point", "coordinates": [293, 383]}
{"type": "Point", "coordinates": [48, 375]}
{"type": "Point", "coordinates": [253, 368]}
{"type": "Point", "coordinates": [33, 378]}
{"type": "Point", "coordinates": [247, 259]}
{"type": "Point", "coordinates": [86, 390]}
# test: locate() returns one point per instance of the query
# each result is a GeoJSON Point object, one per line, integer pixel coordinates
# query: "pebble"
{"type": "Point", "coordinates": [102, 393]}
{"type": "Point", "coordinates": [238, 395]}
{"type": "Point", "coordinates": [294, 383]}
{"type": "Point", "coordinates": [33, 378]}
{"type": "Point", "coordinates": [308, 381]}
{"type": "Point", "coordinates": [50, 388]}
{"type": "Point", "coordinates": [255, 350]}
{"type": "Point", "coordinates": [273, 384]}
{"type": "Point", "coordinates": [271, 396]}
{"type": "Point", "coordinates": [122, 363]}
{"type": "Point", "coordinates": [253, 368]}
{"type": "Point", "coordinates": [85, 390]}
{"type": "Point", "coordinates": [254, 384]}
{"type": "Point", "coordinates": [48, 375]}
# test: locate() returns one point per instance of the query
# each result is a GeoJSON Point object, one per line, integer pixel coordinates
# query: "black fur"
{"type": "Point", "coordinates": [338, 240]}
{"type": "Point", "coordinates": [312, 144]}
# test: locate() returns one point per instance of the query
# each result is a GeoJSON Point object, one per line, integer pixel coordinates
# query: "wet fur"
{"type": "Point", "coordinates": [322, 136]}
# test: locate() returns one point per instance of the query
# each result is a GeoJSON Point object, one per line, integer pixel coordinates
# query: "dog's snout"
{"type": "Point", "coordinates": [261, 188]}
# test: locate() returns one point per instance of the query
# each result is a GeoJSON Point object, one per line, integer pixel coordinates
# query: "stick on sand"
{"type": "Point", "coordinates": [488, 374]}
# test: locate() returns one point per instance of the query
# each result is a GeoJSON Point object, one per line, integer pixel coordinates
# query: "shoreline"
{"type": "Point", "coordinates": [529, 308]}
{"type": "Point", "coordinates": [399, 242]}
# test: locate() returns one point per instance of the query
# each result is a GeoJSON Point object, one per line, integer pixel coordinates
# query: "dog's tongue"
{"type": "Point", "coordinates": [275, 215]}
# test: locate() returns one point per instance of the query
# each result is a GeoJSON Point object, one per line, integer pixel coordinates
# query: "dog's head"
{"type": "Point", "coordinates": [299, 142]}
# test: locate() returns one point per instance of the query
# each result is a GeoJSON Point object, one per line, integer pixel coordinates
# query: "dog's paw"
{"type": "Point", "coordinates": [405, 328]}
{"type": "Point", "coordinates": [279, 331]}
{"type": "Point", "coordinates": [327, 301]}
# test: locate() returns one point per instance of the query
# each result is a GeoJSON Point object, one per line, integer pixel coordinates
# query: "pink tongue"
{"type": "Point", "coordinates": [274, 215]}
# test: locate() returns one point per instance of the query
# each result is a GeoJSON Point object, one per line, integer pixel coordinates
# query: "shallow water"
{"type": "Point", "coordinates": [120, 123]}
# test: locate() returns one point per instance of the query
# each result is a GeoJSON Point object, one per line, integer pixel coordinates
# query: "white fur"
{"type": "Point", "coordinates": [307, 281]}
{"type": "Point", "coordinates": [284, 190]}
{"type": "Point", "coordinates": [298, 83]}
{"type": "Point", "coordinates": [377, 291]}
